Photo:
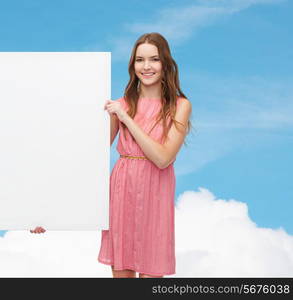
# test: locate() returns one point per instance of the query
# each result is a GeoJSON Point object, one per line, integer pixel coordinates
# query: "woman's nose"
{"type": "Point", "coordinates": [146, 65]}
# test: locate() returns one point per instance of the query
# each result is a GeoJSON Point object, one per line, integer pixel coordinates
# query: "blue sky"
{"type": "Point", "coordinates": [235, 61]}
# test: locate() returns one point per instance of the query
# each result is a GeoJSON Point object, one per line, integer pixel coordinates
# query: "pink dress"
{"type": "Point", "coordinates": [141, 235]}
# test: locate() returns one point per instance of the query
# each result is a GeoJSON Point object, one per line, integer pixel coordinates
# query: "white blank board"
{"type": "Point", "coordinates": [54, 140]}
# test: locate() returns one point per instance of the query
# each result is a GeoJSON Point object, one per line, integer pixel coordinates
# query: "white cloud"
{"type": "Point", "coordinates": [179, 23]}
{"type": "Point", "coordinates": [214, 238]}
{"type": "Point", "coordinates": [217, 238]}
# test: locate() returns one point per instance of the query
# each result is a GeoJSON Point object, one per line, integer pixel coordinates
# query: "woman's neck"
{"type": "Point", "coordinates": [151, 92]}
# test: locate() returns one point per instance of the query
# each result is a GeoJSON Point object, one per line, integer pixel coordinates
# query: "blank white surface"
{"type": "Point", "coordinates": [54, 140]}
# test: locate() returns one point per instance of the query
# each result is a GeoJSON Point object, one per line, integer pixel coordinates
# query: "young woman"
{"type": "Point", "coordinates": [153, 119]}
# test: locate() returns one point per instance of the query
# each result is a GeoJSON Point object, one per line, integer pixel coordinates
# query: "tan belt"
{"type": "Point", "coordinates": [133, 157]}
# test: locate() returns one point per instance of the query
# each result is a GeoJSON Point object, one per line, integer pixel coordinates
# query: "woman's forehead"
{"type": "Point", "coordinates": [147, 49]}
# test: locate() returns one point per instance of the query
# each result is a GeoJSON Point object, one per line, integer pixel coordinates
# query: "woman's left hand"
{"type": "Point", "coordinates": [115, 107]}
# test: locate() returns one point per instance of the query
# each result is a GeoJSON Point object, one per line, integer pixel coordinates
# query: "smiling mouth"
{"type": "Point", "coordinates": [148, 74]}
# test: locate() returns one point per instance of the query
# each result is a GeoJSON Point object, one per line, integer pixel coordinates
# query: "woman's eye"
{"type": "Point", "coordinates": [154, 59]}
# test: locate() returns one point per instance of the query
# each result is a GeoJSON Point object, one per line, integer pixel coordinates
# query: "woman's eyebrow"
{"type": "Point", "coordinates": [150, 56]}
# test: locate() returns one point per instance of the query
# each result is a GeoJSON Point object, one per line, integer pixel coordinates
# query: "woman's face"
{"type": "Point", "coordinates": [147, 65]}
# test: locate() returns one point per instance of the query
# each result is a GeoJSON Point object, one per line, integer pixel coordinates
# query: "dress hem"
{"type": "Point", "coordinates": [133, 269]}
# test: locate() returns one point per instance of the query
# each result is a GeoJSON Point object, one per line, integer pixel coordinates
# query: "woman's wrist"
{"type": "Point", "coordinates": [123, 116]}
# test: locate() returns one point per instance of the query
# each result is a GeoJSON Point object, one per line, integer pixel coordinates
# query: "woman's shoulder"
{"type": "Point", "coordinates": [183, 106]}
{"type": "Point", "coordinates": [181, 100]}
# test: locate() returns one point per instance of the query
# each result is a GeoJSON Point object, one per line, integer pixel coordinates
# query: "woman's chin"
{"type": "Point", "coordinates": [148, 83]}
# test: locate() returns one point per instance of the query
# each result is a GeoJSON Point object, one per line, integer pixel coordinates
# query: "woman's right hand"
{"type": "Point", "coordinates": [115, 107]}
{"type": "Point", "coordinates": [38, 229]}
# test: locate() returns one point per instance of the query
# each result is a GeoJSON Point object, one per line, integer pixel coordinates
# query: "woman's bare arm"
{"type": "Point", "coordinates": [114, 127]}
{"type": "Point", "coordinates": [162, 155]}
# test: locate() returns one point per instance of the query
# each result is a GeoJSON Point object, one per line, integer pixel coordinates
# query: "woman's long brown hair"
{"type": "Point", "coordinates": [170, 90]}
